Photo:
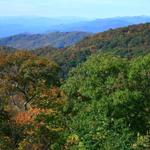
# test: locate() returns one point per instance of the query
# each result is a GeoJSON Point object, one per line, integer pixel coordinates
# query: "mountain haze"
{"type": "Point", "coordinates": [11, 25]}
{"type": "Point", "coordinates": [32, 41]}
{"type": "Point", "coordinates": [16, 25]}
{"type": "Point", "coordinates": [100, 25]}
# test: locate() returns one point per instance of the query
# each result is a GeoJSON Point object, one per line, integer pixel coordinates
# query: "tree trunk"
{"type": "Point", "coordinates": [26, 106]}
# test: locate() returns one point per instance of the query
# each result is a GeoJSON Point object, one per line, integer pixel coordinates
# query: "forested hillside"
{"type": "Point", "coordinates": [132, 40]}
{"type": "Point", "coordinates": [103, 103]}
{"type": "Point", "coordinates": [32, 41]}
{"type": "Point", "coordinates": [126, 42]}
{"type": "Point", "coordinates": [4, 49]}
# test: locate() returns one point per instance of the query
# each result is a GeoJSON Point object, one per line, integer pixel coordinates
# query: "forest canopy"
{"type": "Point", "coordinates": [103, 104]}
{"type": "Point", "coordinates": [94, 95]}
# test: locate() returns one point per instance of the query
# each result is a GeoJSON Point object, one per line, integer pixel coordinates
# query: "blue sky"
{"type": "Point", "coordinates": [79, 8]}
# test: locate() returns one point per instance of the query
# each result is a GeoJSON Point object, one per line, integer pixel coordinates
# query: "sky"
{"type": "Point", "coordinates": [77, 8]}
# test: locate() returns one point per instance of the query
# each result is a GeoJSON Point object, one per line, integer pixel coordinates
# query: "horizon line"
{"type": "Point", "coordinates": [78, 17]}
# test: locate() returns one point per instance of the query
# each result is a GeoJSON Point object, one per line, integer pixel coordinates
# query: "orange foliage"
{"type": "Point", "coordinates": [54, 95]}
{"type": "Point", "coordinates": [15, 58]}
{"type": "Point", "coordinates": [28, 117]}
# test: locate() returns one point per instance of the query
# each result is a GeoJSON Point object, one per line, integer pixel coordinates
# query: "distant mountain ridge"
{"type": "Point", "coordinates": [101, 25]}
{"type": "Point", "coordinates": [32, 41]}
{"type": "Point", "coordinates": [12, 25]}
{"type": "Point", "coordinates": [16, 25]}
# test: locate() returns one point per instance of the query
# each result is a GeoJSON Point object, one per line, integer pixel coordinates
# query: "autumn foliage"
{"type": "Point", "coordinates": [28, 117]}
{"type": "Point", "coordinates": [102, 104]}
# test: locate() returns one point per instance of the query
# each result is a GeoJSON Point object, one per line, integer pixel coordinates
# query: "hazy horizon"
{"type": "Point", "coordinates": [75, 8]}
{"type": "Point", "coordinates": [71, 17]}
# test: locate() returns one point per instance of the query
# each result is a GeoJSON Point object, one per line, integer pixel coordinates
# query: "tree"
{"type": "Point", "coordinates": [109, 98]}
{"type": "Point", "coordinates": [24, 74]}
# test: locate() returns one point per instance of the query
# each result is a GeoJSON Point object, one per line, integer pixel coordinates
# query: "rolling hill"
{"type": "Point", "coordinates": [4, 49]}
{"type": "Point", "coordinates": [32, 41]}
{"type": "Point", "coordinates": [128, 42]}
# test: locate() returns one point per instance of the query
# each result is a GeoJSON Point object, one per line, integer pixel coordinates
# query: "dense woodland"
{"type": "Point", "coordinates": [91, 96]}
{"type": "Point", "coordinates": [126, 42]}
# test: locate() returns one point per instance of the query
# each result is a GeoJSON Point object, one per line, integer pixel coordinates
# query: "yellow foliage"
{"type": "Point", "coordinates": [73, 139]}
{"type": "Point", "coordinates": [24, 145]}
{"type": "Point", "coordinates": [142, 143]}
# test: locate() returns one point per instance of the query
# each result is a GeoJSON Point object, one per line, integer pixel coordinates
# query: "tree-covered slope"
{"type": "Point", "coordinates": [134, 39]}
{"type": "Point", "coordinates": [109, 103]}
{"type": "Point", "coordinates": [127, 42]}
{"type": "Point", "coordinates": [104, 103]}
{"type": "Point", "coordinates": [54, 39]}
{"type": "Point", "coordinates": [4, 49]}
